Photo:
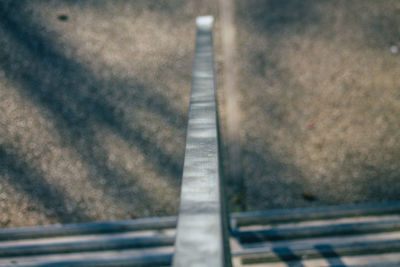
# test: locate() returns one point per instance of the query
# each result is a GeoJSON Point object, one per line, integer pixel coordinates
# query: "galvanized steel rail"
{"type": "Point", "coordinates": [314, 213]}
{"type": "Point", "coordinates": [202, 238]}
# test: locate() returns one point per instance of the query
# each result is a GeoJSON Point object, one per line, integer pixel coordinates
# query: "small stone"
{"type": "Point", "coordinates": [394, 49]}
{"type": "Point", "coordinates": [62, 17]}
{"type": "Point", "coordinates": [309, 196]}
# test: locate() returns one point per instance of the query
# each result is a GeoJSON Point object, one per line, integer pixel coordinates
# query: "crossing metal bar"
{"type": "Point", "coordinates": [202, 227]}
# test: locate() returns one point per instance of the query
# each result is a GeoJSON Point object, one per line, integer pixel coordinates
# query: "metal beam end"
{"type": "Point", "coordinates": [205, 21]}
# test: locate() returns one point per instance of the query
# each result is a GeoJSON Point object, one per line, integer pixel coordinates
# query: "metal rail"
{"type": "Point", "coordinates": [202, 238]}
{"type": "Point", "coordinates": [91, 228]}
{"type": "Point", "coordinates": [327, 248]}
{"type": "Point", "coordinates": [314, 213]}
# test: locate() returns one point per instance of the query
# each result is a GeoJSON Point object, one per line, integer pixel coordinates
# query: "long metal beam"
{"type": "Point", "coordinates": [314, 213]}
{"type": "Point", "coordinates": [317, 247]}
{"type": "Point", "coordinates": [91, 228]}
{"type": "Point", "coordinates": [202, 227]}
{"type": "Point", "coordinates": [84, 243]}
{"type": "Point", "coordinates": [238, 220]}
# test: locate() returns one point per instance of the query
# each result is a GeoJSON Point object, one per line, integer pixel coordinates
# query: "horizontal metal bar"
{"type": "Point", "coordinates": [241, 219]}
{"type": "Point", "coordinates": [325, 229]}
{"type": "Point", "coordinates": [381, 259]}
{"type": "Point", "coordinates": [155, 223]}
{"type": "Point", "coordinates": [324, 250]}
{"type": "Point", "coordinates": [317, 248]}
{"type": "Point", "coordinates": [380, 264]}
{"type": "Point", "coordinates": [376, 264]}
{"type": "Point", "coordinates": [314, 213]}
{"type": "Point", "coordinates": [201, 232]}
{"type": "Point", "coordinates": [82, 243]}
{"type": "Point", "coordinates": [146, 257]}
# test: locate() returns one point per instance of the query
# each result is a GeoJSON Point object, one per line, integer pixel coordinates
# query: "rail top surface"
{"type": "Point", "coordinates": [201, 234]}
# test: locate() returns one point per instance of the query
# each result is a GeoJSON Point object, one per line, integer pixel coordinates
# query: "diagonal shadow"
{"type": "Point", "coordinates": [270, 18]}
{"type": "Point", "coordinates": [30, 181]}
{"type": "Point", "coordinates": [79, 106]}
{"type": "Point", "coordinates": [277, 183]}
{"type": "Point", "coordinates": [281, 19]}
{"type": "Point", "coordinates": [330, 255]}
{"type": "Point", "coordinates": [76, 106]}
{"type": "Point", "coordinates": [286, 255]}
{"type": "Point", "coordinates": [271, 15]}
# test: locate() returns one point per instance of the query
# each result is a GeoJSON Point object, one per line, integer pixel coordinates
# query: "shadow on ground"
{"type": "Point", "coordinates": [318, 85]}
{"type": "Point", "coordinates": [116, 140]}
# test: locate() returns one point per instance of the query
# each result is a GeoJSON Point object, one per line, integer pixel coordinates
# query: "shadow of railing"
{"type": "Point", "coordinates": [32, 182]}
{"type": "Point", "coordinates": [80, 101]}
{"type": "Point", "coordinates": [286, 255]}
{"type": "Point", "coordinates": [330, 255]}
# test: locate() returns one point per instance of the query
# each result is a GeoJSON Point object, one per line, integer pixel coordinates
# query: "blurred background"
{"type": "Point", "coordinates": [94, 97]}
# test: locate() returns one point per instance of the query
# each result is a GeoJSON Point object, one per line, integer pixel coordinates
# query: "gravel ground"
{"type": "Point", "coordinates": [93, 101]}
{"type": "Point", "coordinates": [320, 102]}
{"type": "Point", "coordinates": [94, 98]}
